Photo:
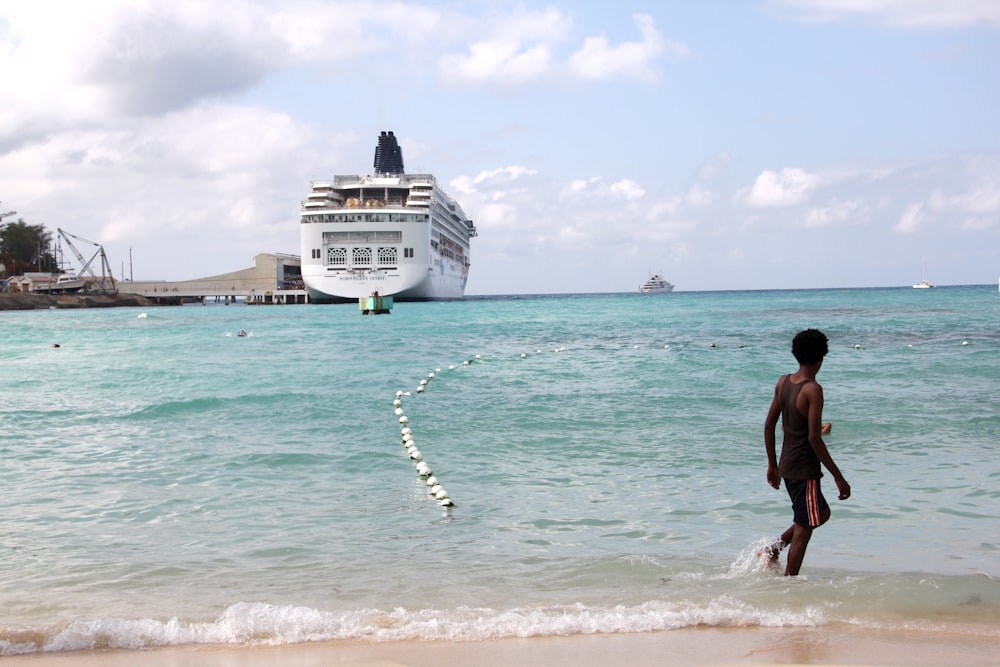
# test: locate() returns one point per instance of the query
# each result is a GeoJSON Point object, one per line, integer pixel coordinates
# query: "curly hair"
{"type": "Point", "coordinates": [809, 346]}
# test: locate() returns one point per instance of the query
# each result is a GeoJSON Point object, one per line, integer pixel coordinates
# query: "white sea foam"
{"type": "Point", "coordinates": [257, 623]}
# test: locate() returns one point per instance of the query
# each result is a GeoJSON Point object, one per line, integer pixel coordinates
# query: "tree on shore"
{"type": "Point", "coordinates": [25, 247]}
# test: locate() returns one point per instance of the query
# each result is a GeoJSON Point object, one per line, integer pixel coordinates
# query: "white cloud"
{"type": "Point", "coordinates": [97, 62]}
{"type": "Point", "coordinates": [910, 14]}
{"type": "Point", "coordinates": [505, 63]}
{"type": "Point", "coordinates": [501, 175]}
{"type": "Point", "coordinates": [982, 198]}
{"type": "Point", "coordinates": [494, 215]}
{"type": "Point", "coordinates": [113, 58]}
{"type": "Point", "coordinates": [600, 60]}
{"type": "Point", "coordinates": [183, 188]}
{"type": "Point", "coordinates": [700, 196]}
{"type": "Point", "coordinates": [627, 189]}
{"type": "Point", "coordinates": [516, 49]}
{"type": "Point", "coordinates": [977, 224]}
{"type": "Point", "coordinates": [834, 212]}
{"type": "Point", "coordinates": [526, 48]}
{"type": "Point", "coordinates": [714, 166]}
{"type": "Point", "coordinates": [912, 219]}
{"type": "Point", "coordinates": [665, 208]}
{"type": "Point", "coordinates": [581, 185]}
{"type": "Point", "coordinates": [789, 187]}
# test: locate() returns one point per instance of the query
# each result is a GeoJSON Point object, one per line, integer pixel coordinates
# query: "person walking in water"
{"type": "Point", "coordinates": [798, 400]}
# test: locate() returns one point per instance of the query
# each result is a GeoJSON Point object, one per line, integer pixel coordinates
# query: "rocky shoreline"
{"type": "Point", "coordinates": [28, 301]}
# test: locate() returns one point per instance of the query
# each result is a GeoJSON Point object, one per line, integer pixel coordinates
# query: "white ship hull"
{"type": "Point", "coordinates": [656, 285]}
{"type": "Point", "coordinates": [424, 277]}
{"type": "Point", "coordinates": [393, 233]}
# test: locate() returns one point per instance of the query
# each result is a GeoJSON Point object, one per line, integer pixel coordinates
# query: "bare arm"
{"type": "Point", "coordinates": [813, 393]}
{"type": "Point", "coordinates": [770, 423]}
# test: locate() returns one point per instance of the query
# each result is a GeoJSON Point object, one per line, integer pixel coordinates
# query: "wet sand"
{"type": "Point", "coordinates": [697, 647]}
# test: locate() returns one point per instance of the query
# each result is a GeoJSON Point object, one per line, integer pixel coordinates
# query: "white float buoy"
{"type": "Point", "coordinates": [477, 357]}
{"type": "Point", "coordinates": [398, 411]}
{"type": "Point", "coordinates": [403, 419]}
{"type": "Point", "coordinates": [430, 376]}
{"type": "Point", "coordinates": [524, 356]}
{"type": "Point", "coordinates": [415, 454]}
{"type": "Point", "coordinates": [436, 488]}
{"type": "Point", "coordinates": [398, 394]}
{"type": "Point", "coordinates": [406, 430]}
{"type": "Point", "coordinates": [857, 346]}
{"type": "Point", "coordinates": [407, 436]}
{"type": "Point", "coordinates": [965, 342]}
{"type": "Point", "coordinates": [420, 390]}
{"type": "Point", "coordinates": [441, 495]}
{"type": "Point", "coordinates": [397, 403]}
{"type": "Point", "coordinates": [446, 502]}
{"type": "Point", "coordinates": [432, 481]}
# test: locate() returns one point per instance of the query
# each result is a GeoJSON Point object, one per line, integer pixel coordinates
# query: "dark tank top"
{"type": "Point", "coordinates": [798, 460]}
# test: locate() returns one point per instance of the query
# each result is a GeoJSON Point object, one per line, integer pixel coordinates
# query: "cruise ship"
{"type": "Point", "coordinates": [391, 233]}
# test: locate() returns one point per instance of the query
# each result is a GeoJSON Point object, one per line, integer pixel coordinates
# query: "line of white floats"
{"type": "Point", "coordinates": [424, 470]}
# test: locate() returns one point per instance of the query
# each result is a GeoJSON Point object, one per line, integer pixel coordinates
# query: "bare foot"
{"type": "Point", "coordinates": [771, 552]}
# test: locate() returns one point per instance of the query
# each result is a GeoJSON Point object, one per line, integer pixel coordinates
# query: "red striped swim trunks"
{"type": "Point", "coordinates": [808, 503]}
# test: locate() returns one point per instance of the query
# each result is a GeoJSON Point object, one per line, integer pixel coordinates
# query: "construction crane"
{"type": "Point", "coordinates": [106, 283]}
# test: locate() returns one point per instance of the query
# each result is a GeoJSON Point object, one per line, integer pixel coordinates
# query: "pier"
{"type": "Point", "coordinates": [275, 279]}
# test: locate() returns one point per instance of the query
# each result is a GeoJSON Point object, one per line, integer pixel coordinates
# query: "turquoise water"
{"type": "Point", "coordinates": [167, 482]}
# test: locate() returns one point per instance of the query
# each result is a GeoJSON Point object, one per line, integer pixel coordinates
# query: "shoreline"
{"type": "Point", "coordinates": [30, 301]}
{"type": "Point", "coordinates": [693, 647]}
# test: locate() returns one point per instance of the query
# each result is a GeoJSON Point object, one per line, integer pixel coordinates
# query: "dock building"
{"type": "Point", "coordinates": [273, 279]}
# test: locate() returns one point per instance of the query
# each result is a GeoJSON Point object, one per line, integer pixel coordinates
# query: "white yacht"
{"type": "Point", "coordinates": [924, 283]}
{"type": "Point", "coordinates": [656, 284]}
{"type": "Point", "coordinates": [390, 232]}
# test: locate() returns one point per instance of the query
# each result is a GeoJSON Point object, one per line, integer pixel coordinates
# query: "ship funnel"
{"type": "Point", "coordinates": [388, 155]}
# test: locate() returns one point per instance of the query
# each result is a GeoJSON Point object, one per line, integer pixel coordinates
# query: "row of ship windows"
{"type": "Point", "coordinates": [337, 256]}
{"type": "Point", "coordinates": [365, 217]}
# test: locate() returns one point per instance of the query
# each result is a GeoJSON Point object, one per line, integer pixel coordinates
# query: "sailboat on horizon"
{"type": "Point", "coordinates": [924, 283]}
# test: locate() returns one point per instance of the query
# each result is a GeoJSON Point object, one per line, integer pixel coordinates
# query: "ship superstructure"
{"type": "Point", "coordinates": [389, 232]}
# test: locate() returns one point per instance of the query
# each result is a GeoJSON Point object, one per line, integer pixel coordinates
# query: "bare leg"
{"type": "Point", "coordinates": [797, 549]}
{"type": "Point", "coordinates": [799, 541]}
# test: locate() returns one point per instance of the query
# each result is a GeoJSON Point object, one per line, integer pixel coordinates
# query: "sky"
{"type": "Point", "coordinates": [757, 144]}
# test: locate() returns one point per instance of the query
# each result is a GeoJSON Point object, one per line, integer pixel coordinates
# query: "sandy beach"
{"type": "Point", "coordinates": [707, 647]}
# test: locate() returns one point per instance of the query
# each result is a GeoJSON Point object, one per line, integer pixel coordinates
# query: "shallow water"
{"type": "Point", "coordinates": [168, 482]}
